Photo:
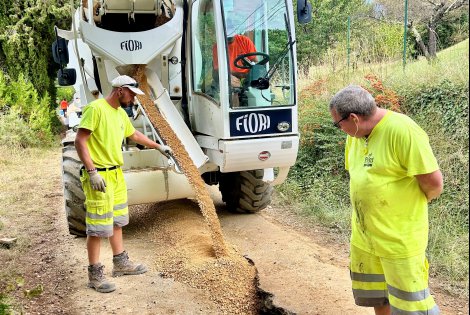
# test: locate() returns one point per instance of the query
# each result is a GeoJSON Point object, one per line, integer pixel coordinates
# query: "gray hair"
{"type": "Point", "coordinates": [353, 99]}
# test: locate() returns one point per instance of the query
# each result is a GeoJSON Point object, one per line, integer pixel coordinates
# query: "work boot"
{"type": "Point", "coordinates": [123, 266]}
{"type": "Point", "coordinates": [97, 280]}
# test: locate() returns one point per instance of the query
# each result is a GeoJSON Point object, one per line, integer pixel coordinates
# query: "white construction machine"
{"type": "Point", "coordinates": [242, 136]}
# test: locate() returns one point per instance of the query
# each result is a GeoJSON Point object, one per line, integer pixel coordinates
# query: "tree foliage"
{"type": "Point", "coordinates": [328, 25]}
{"type": "Point", "coordinates": [452, 29]}
{"type": "Point", "coordinates": [26, 118]}
{"type": "Point", "coordinates": [373, 41]}
{"type": "Point", "coordinates": [431, 23]}
{"type": "Point", "coordinates": [26, 35]}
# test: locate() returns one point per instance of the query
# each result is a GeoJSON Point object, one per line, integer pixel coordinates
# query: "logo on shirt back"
{"type": "Point", "coordinates": [368, 160]}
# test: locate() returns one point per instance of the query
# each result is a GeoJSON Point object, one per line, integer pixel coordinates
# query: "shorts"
{"type": "Point", "coordinates": [104, 211]}
{"type": "Point", "coordinates": [402, 283]}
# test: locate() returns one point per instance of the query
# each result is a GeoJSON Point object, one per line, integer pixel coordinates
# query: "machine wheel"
{"type": "Point", "coordinates": [73, 192]}
{"type": "Point", "coordinates": [245, 192]}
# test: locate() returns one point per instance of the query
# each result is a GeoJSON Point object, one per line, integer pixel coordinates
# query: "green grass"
{"type": "Point", "coordinates": [436, 96]}
{"type": "Point", "coordinates": [451, 63]}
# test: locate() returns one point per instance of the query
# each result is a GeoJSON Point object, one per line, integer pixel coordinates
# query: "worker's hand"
{"type": "Point", "coordinates": [97, 182]}
{"type": "Point", "coordinates": [165, 150]}
{"type": "Point", "coordinates": [236, 82]}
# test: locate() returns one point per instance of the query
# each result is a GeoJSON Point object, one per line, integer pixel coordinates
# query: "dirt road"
{"type": "Point", "coordinates": [299, 273]}
{"type": "Point", "coordinates": [306, 273]}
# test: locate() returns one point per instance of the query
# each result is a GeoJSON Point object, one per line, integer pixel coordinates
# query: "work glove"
{"type": "Point", "coordinates": [97, 182]}
{"type": "Point", "coordinates": [165, 150]}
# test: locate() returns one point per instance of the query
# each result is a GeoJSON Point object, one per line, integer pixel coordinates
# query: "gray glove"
{"type": "Point", "coordinates": [165, 150]}
{"type": "Point", "coordinates": [97, 182]}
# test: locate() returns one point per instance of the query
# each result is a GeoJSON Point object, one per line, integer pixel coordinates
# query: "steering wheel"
{"type": "Point", "coordinates": [243, 62]}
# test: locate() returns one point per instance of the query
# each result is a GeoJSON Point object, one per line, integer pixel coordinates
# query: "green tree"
{"type": "Point", "coordinates": [328, 26]}
{"type": "Point", "coordinates": [374, 41]}
{"type": "Point", "coordinates": [26, 119]}
{"type": "Point", "coordinates": [26, 35]}
{"type": "Point", "coordinates": [428, 20]}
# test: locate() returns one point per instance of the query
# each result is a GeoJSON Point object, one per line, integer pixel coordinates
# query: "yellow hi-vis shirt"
{"type": "Point", "coordinates": [109, 127]}
{"type": "Point", "coordinates": [390, 211]}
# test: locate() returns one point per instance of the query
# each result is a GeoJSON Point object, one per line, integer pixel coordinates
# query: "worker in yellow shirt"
{"type": "Point", "coordinates": [393, 176]}
{"type": "Point", "coordinates": [102, 129]}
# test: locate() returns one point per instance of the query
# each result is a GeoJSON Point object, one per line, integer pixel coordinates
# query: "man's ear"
{"type": "Point", "coordinates": [355, 118]}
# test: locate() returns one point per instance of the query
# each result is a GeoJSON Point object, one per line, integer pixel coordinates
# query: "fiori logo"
{"type": "Point", "coordinates": [253, 123]}
{"type": "Point", "coordinates": [131, 45]}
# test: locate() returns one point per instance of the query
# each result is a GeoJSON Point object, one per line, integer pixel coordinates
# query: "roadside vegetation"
{"type": "Point", "coordinates": [26, 118]}
{"type": "Point", "coordinates": [29, 193]}
{"type": "Point", "coordinates": [433, 94]}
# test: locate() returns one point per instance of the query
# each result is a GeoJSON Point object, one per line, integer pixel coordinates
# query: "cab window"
{"type": "Point", "coordinates": [203, 41]}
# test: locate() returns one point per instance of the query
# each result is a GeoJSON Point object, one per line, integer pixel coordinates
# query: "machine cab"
{"type": "Point", "coordinates": [243, 63]}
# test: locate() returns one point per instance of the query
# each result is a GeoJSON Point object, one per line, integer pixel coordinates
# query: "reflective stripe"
{"type": "Point", "coordinates": [397, 311]}
{"type": "Point", "coordinates": [99, 230]}
{"type": "Point", "coordinates": [121, 220]}
{"type": "Point", "coordinates": [97, 233]}
{"type": "Point", "coordinates": [120, 206]}
{"type": "Point", "coordinates": [95, 216]}
{"type": "Point", "coordinates": [409, 296]}
{"type": "Point", "coordinates": [364, 277]}
{"type": "Point", "coordinates": [370, 293]}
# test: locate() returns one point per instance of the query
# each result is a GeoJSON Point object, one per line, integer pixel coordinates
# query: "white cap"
{"type": "Point", "coordinates": [128, 82]}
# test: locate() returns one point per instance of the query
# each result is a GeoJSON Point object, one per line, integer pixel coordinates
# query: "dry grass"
{"type": "Point", "coordinates": [28, 196]}
{"type": "Point", "coordinates": [25, 175]}
{"type": "Point", "coordinates": [452, 63]}
{"type": "Point", "coordinates": [25, 183]}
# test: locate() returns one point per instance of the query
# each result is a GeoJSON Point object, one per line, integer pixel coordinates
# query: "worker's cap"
{"type": "Point", "coordinates": [128, 82]}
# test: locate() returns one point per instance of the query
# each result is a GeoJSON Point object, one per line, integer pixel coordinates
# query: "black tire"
{"type": "Point", "coordinates": [245, 192]}
{"type": "Point", "coordinates": [73, 193]}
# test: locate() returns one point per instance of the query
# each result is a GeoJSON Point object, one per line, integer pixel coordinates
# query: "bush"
{"type": "Point", "coordinates": [15, 132]}
{"type": "Point", "coordinates": [322, 145]}
{"type": "Point", "coordinates": [381, 42]}
{"type": "Point", "coordinates": [318, 183]}
{"type": "Point", "coordinates": [26, 119]}
{"type": "Point", "coordinates": [445, 101]}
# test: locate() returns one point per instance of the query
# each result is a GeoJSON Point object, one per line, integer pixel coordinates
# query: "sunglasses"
{"type": "Point", "coordinates": [136, 85]}
{"type": "Point", "coordinates": [336, 124]}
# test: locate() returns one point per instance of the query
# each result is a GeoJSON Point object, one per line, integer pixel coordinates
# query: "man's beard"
{"type": "Point", "coordinates": [124, 105]}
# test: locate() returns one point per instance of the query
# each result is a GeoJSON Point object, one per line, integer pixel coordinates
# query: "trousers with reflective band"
{"type": "Point", "coordinates": [403, 283]}
{"type": "Point", "coordinates": [105, 210]}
